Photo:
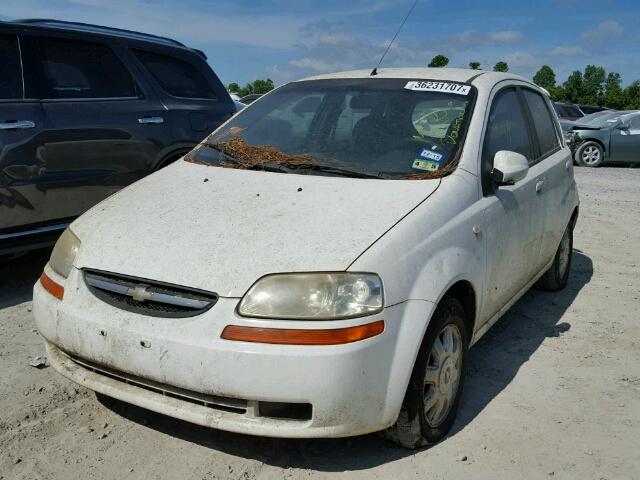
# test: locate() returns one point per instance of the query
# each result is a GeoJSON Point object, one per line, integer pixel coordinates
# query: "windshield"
{"type": "Point", "coordinates": [387, 128]}
{"type": "Point", "coordinates": [600, 119]}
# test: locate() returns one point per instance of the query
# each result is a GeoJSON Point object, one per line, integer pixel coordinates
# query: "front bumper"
{"type": "Point", "coordinates": [353, 389]}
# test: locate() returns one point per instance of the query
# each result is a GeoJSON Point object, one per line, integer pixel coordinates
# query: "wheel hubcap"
{"type": "Point", "coordinates": [591, 155]}
{"type": "Point", "coordinates": [563, 254]}
{"type": "Point", "coordinates": [442, 377]}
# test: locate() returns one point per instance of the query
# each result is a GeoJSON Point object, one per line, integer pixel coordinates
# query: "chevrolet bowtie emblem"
{"type": "Point", "coordinates": [140, 293]}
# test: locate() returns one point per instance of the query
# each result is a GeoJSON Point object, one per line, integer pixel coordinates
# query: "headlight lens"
{"type": "Point", "coordinates": [64, 253]}
{"type": "Point", "coordinates": [313, 296]}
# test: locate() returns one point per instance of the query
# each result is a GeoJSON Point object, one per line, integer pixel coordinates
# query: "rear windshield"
{"type": "Point", "coordinates": [386, 128]}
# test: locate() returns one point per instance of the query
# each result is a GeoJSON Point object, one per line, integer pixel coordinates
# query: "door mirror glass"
{"type": "Point", "coordinates": [509, 167]}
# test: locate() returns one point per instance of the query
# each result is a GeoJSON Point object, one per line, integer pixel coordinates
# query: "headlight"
{"type": "Point", "coordinates": [313, 296]}
{"type": "Point", "coordinates": [64, 253]}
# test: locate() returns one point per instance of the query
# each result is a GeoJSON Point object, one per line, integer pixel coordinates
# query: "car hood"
{"type": "Point", "coordinates": [220, 229]}
{"type": "Point", "coordinates": [577, 126]}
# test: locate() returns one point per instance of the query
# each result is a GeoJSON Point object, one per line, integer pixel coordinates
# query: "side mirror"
{"type": "Point", "coordinates": [622, 126]}
{"type": "Point", "coordinates": [509, 167]}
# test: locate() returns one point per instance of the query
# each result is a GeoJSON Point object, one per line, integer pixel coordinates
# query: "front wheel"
{"type": "Point", "coordinates": [590, 154]}
{"type": "Point", "coordinates": [431, 401]}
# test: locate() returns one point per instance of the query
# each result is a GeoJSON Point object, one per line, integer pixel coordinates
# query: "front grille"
{"type": "Point", "coordinates": [148, 297]}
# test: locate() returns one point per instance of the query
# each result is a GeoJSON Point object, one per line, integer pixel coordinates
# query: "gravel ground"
{"type": "Point", "coordinates": [553, 389]}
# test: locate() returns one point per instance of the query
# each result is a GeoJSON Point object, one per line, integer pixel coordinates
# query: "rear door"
{"type": "Point", "coordinates": [97, 139]}
{"type": "Point", "coordinates": [197, 103]}
{"type": "Point", "coordinates": [554, 179]}
{"type": "Point", "coordinates": [513, 215]}
{"type": "Point", "coordinates": [22, 198]}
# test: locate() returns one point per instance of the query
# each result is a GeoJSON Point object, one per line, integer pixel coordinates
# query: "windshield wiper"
{"type": "Point", "coordinates": [269, 167]}
{"type": "Point", "coordinates": [318, 167]}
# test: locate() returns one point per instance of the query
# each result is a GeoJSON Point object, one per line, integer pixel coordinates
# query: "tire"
{"type": "Point", "coordinates": [590, 154]}
{"type": "Point", "coordinates": [557, 276]}
{"type": "Point", "coordinates": [416, 427]}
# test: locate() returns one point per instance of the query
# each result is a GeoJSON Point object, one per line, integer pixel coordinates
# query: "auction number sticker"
{"type": "Point", "coordinates": [425, 86]}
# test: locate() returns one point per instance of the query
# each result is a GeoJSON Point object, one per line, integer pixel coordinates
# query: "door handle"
{"type": "Point", "coordinates": [567, 164]}
{"type": "Point", "coordinates": [150, 120]}
{"type": "Point", "coordinates": [539, 185]}
{"type": "Point", "coordinates": [17, 125]}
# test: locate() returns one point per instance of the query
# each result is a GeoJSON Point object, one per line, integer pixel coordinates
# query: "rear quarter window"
{"type": "Point", "coordinates": [176, 77]}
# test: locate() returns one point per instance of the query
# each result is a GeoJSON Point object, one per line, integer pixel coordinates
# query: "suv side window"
{"type": "Point", "coordinates": [75, 69]}
{"type": "Point", "coordinates": [176, 77]}
{"type": "Point", "coordinates": [10, 66]}
{"type": "Point", "coordinates": [542, 122]}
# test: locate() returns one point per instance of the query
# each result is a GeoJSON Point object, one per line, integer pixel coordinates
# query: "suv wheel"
{"type": "Point", "coordinates": [590, 154]}
{"type": "Point", "coordinates": [557, 276]}
{"type": "Point", "coordinates": [431, 401]}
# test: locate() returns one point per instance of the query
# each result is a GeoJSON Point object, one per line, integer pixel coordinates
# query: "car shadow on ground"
{"type": "Point", "coordinates": [493, 363]}
{"type": "Point", "coordinates": [18, 274]}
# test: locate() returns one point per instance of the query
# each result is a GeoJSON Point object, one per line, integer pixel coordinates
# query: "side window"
{"type": "Point", "coordinates": [634, 124]}
{"type": "Point", "coordinates": [74, 70]}
{"type": "Point", "coordinates": [542, 122]}
{"type": "Point", "coordinates": [507, 128]}
{"type": "Point", "coordinates": [11, 77]}
{"type": "Point", "coordinates": [176, 77]}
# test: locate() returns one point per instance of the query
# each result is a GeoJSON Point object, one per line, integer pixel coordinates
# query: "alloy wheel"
{"type": "Point", "coordinates": [591, 155]}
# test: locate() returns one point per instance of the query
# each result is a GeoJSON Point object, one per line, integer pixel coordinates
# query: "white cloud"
{"type": "Point", "coordinates": [505, 36]}
{"type": "Point", "coordinates": [603, 32]}
{"type": "Point", "coordinates": [568, 51]}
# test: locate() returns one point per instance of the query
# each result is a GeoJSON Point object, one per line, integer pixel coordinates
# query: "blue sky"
{"type": "Point", "coordinates": [288, 39]}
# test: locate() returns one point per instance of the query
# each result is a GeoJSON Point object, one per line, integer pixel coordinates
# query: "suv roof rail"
{"type": "Point", "coordinates": [90, 28]}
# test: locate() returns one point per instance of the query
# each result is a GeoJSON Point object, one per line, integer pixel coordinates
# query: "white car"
{"type": "Point", "coordinates": [318, 266]}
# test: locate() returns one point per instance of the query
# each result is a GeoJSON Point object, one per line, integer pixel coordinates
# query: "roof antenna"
{"type": "Point", "coordinates": [375, 70]}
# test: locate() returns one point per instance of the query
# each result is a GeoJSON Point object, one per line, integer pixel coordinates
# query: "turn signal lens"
{"type": "Point", "coordinates": [289, 336]}
{"type": "Point", "coordinates": [52, 287]}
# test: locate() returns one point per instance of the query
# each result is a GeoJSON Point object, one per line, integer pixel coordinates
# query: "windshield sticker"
{"type": "Point", "coordinates": [423, 86]}
{"type": "Point", "coordinates": [430, 155]}
{"type": "Point", "coordinates": [427, 165]}
{"type": "Point", "coordinates": [428, 160]}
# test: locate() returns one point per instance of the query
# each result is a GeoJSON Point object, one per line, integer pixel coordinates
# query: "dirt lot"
{"type": "Point", "coordinates": [553, 388]}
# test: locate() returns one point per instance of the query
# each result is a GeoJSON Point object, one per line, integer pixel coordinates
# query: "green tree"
{"type": "Point", "coordinates": [501, 67]}
{"type": "Point", "coordinates": [592, 85]}
{"type": "Point", "coordinates": [257, 86]}
{"type": "Point", "coordinates": [614, 97]}
{"type": "Point", "coordinates": [439, 61]}
{"type": "Point", "coordinates": [545, 77]}
{"type": "Point", "coordinates": [474, 65]}
{"type": "Point", "coordinates": [557, 94]}
{"type": "Point", "coordinates": [573, 88]}
{"type": "Point", "coordinates": [632, 96]}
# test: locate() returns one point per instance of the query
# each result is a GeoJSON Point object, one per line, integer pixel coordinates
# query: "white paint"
{"type": "Point", "coordinates": [421, 237]}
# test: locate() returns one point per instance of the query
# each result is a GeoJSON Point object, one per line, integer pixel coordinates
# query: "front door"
{"type": "Point", "coordinates": [625, 142]}
{"type": "Point", "coordinates": [22, 198]}
{"type": "Point", "coordinates": [512, 215]}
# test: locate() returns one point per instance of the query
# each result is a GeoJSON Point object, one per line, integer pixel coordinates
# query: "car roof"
{"type": "Point", "coordinates": [463, 75]}
{"type": "Point", "coordinates": [78, 27]}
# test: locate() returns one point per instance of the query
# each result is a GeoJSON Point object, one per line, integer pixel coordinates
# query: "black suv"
{"type": "Point", "coordinates": [86, 110]}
